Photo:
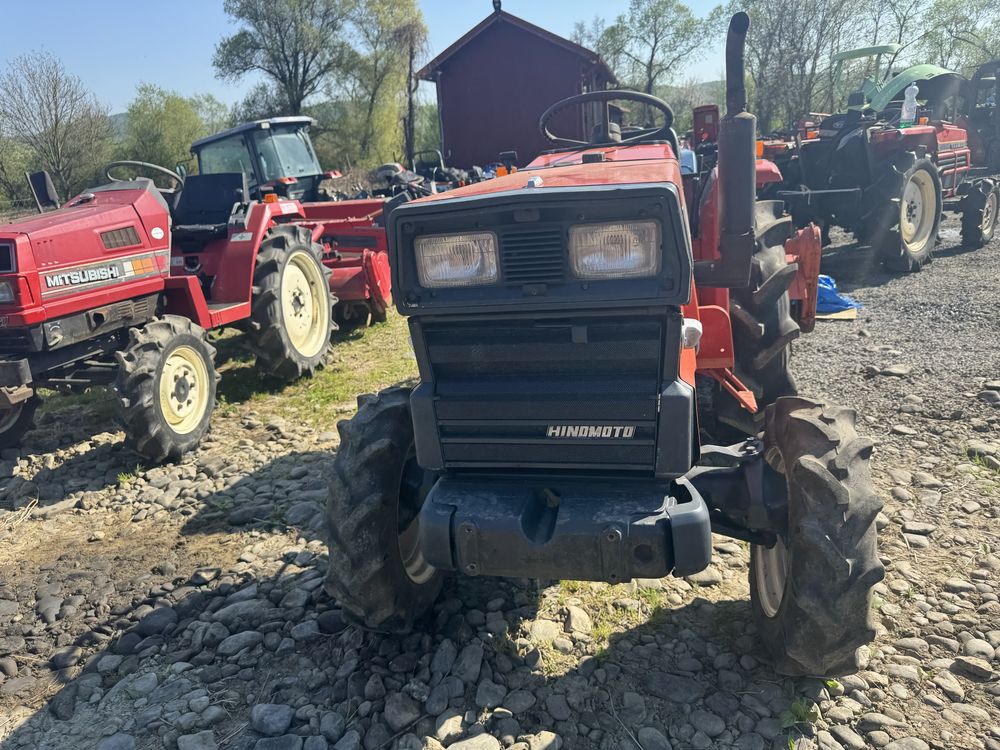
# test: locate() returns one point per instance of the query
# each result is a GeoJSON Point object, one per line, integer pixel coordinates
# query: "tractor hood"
{"type": "Point", "coordinates": [935, 83]}
{"type": "Point", "coordinates": [632, 165]}
{"type": "Point", "coordinates": [120, 215]}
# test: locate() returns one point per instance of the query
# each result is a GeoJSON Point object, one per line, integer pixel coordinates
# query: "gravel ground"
{"type": "Point", "coordinates": [182, 607]}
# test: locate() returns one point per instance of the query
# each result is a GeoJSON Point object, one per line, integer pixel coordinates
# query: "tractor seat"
{"type": "Point", "coordinates": [206, 203]}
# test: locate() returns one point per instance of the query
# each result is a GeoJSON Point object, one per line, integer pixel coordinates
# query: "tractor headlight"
{"type": "Point", "coordinates": [616, 250]}
{"type": "Point", "coordinates": [450, 260]}
{"type": "Point", "coordinates": [6, 292]}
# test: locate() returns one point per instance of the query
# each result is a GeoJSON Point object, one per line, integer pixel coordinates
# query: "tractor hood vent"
{"type": "Point", "coordinates": [119, 238]}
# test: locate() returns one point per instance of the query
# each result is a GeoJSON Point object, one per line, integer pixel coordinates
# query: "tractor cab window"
{"type": "Point", "coordinates": [227, 155]}
{"type": "Point", "coordinates": [285, 153]}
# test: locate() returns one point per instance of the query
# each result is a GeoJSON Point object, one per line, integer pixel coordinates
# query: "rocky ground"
{"type": "Point", "coordinates": [182, 606]}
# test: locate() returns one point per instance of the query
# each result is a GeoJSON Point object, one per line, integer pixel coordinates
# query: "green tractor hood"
{"type": "Point", "coordinates": [935, 83]}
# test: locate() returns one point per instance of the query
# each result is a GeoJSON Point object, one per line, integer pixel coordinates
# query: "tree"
{"type": "Point", "coordinates": [961, 35]}
{"type": "Point", "coordinates": [52, 115]}
{"type": "Point", "coordinates": [161, 127]}
{"type": "Point", "coordinates": [214, 114]}
{"type": "Point", "coordinates": [415, 42]}
{"type": "Point", "coordinates": [646, 45]}
{"type": "Point", "coordinates": [296, 44]}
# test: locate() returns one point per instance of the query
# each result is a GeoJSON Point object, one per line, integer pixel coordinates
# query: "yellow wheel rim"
{"type": "Point", "coordinates": [989, 212]}
{"type": "Point", "coordinates": [303, 304]}
{"type": "Point", "coordinates": [184, 387]}
{"type": "Point", "coordinates": [917, 211]}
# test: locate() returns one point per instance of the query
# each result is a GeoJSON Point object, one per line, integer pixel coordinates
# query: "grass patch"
{"type": "Point", "coordinates": [361, 361]}
{"type": "Point", "coordinates": [97, 401]}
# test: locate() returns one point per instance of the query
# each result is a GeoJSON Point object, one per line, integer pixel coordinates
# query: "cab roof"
{"type": "Point", "coordinates": [254, 125]}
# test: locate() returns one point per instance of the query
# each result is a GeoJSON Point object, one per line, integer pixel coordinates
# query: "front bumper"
{"type": "Point", "coordinates": [600, 530]}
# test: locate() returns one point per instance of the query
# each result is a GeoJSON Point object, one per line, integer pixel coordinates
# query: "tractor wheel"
{"type": "Point", "coordinates": [292, 304]}
{"type": "Point", "coordinates": [811, 592]}
{"type": "Point", "coordinates": [980, 213]}
{"type": "Point", "coordinates": [16, 421]}
{"type": "Point", "coordinates": [904, 235]}
{"type": "Point", "coordinates": [166, 387]}
{"type": "Point", "coordinates": [763, 324]}
{"type": "Point", "coordinates": [377, 572]}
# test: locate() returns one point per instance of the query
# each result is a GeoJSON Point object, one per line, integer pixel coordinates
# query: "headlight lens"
{"type": "Point", "coordinates": [616, 250]}
{"type": "Point", "coordinates": [448, 260]}
{"type": "Point", "coordinates": [6, 292]}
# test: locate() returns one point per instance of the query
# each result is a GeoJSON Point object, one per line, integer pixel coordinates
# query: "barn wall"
{"type": "Point", "coordinates": [492, 91]}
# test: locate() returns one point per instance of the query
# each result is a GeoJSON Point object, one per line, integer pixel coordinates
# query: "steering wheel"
{"type": "Point", "coordinates": [603, 133]}
{"type": "Point", "coordinates": [178, 181]}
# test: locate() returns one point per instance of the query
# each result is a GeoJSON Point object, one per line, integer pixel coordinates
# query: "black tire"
{"type": "Point", "coordinates": [376, 491]}
{"type": "Point", "coordinates": [16, 421]}
{"type": "Point", "coordinates": [277, 337]}
{"type": "Point", "coordinates": [165, 347]}
{"type": "Point", "coordinates": [980, 209]}
{"type": "Point", "coordinates": [887, 236]}
{"type": "Point", "coordinates": [813, 606]}
{"type": "Point", "coordinates": [763, 325]}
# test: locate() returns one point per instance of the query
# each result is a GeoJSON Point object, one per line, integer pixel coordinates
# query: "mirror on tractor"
{"type": "Point", "coordinates": [43, 191]}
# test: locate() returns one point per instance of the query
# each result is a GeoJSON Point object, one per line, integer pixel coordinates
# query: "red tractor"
{"type": "Point", "coordinates": [603, 347]}
{"type": "Point", "coordinates": [887, 183]}
{"type": "Point", "coordinates": [278, 158]}
{"type": "Point", "coordinates": [120, 285]}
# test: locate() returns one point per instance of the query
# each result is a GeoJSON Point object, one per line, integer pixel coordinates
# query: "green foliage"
{"type": "Point", "coordinates": [801, 711]}
{"type": "Point", "coordinates": [296, 44]}
{"type": "Point", "coordinates": [160, 127]}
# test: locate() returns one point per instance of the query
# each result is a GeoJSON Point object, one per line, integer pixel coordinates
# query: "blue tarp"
{"type": "Point", "coordinates": [830, 300]}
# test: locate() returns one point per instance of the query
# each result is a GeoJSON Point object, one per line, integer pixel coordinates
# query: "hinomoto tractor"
{"type": "Point", "coordinates": [603, 348]}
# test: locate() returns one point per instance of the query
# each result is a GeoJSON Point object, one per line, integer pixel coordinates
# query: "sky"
{"type": "Point", "coordinates": [114, 45]}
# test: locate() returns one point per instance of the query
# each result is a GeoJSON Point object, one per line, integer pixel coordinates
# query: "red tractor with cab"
{"type": "Point", "coordinates": [603, 348]}
{"type": "Point", "coordinates": [120, 286]}
{"type": "Point", "coordinates": [278, 158]}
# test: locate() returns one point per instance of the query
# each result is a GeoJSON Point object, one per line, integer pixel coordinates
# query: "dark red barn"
{"type": "Point", "coordinates": [495, 82]}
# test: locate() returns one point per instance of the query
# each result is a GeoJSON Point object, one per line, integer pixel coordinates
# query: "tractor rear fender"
{"type": "Point", "coordinates": [237, 255]}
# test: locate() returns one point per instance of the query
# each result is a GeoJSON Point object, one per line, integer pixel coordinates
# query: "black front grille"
{"type": "Point", "coordinates": [532, 256]}
{"type": "Point", "coordinates": [501, 387]}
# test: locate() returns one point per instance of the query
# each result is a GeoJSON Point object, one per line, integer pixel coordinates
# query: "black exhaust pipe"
{"type": "Point", "coordinates": [736, 39]}
{"type": "Point", "coordinates": [737, 172]}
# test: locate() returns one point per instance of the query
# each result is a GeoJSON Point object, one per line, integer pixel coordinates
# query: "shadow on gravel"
{"type": "Point", "coordinates": [204, 647]}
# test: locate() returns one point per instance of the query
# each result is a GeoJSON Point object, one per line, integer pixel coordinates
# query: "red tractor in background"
{"type": "Point", "coordinates": [278, 158]}
{"type": "Point", "coordinates": [603, 347]}
{"type": "Point", "coordinates": [888, 183]}
{"type": "Point", "coordinates": [120, 285]}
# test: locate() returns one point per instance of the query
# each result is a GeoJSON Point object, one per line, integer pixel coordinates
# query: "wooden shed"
{"type": "Point", "coordinates": [495, 82]}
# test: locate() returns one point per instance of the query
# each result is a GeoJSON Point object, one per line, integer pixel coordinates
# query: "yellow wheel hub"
{"type": "Point", "coordinates": [917, 211]}
{"type": "Point", "coordinates": [304, 304]}
{"type": "Point", "coordinates": [184, 388]}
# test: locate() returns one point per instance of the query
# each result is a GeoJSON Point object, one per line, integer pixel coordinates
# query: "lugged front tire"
{"type": "Point", "coordinates": [811, 593]}
{"type": "Point", "coordinates": [980, 212]}
{"type": "Point", "coordinates": [166, 387]}
{"type": "Point", "coordinates": [904, 235]}
{"type": "Point", "coordinates": [763, 323]}
{"type": "Point", "coordinates": [16, 421]}
{"type": "Point", "coordinates": [292, 306]}
{"type": "Point", "coordinates": [376, 570]}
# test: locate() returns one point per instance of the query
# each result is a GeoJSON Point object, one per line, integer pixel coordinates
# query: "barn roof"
{"type": "Point", "coordinates": [428, 72]}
